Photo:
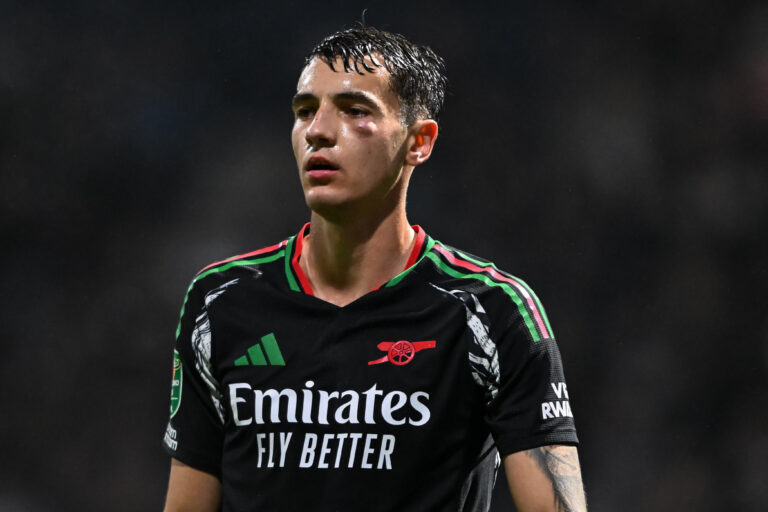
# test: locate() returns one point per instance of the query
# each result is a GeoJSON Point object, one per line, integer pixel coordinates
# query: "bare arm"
{"type": "Point", "coordinates": [546, 479]}
{"type": "Point", "coordinates": [191, 490]}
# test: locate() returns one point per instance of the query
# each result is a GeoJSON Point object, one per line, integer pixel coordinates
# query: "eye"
{"type": "Point", "coordinates": [357, 112]}
{"type": "Point", "coordinates": [303, 113]}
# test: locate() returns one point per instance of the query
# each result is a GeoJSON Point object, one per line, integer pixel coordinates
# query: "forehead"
{"type": "Point", "coordinates": [318, 79]}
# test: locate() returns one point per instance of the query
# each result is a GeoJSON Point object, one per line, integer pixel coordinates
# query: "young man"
{"type": "Point", "coordinates": [361, 364]}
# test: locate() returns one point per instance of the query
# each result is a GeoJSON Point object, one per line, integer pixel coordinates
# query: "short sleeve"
{"type": "Point", "coordinates": [531, 406]}
{"type": "Point", "coordinates": [194, 433]}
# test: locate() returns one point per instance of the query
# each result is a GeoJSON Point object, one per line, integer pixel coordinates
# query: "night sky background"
{"type": "Point", "coordinates": [614, 155]}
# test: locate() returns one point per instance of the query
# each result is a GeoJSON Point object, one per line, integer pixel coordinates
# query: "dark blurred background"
{"type": "Point", "coordinates": [614, 155]}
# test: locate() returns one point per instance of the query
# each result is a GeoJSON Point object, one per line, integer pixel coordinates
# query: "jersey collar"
{"type": "Point", "coordinates": [297, 279]}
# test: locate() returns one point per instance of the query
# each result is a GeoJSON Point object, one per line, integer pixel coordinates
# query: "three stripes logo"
{"type": "Point", "coordinates": [255, 356]}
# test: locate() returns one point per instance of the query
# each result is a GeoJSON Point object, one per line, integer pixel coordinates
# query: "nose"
{"type": "Point", "coordinates": [322, 130]}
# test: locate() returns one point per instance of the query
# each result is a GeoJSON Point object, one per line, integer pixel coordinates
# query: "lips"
{"type": "Point", "coordinates": [319, 167]}
{"type": "Point", "coordinates": [320, 163]}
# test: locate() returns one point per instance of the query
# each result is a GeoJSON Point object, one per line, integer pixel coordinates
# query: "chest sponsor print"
{"type": "Point", "coordinates": [271, 413]}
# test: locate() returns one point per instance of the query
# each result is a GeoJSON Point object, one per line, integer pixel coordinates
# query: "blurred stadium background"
{"type": "Point", "coordinates": [614, 155]}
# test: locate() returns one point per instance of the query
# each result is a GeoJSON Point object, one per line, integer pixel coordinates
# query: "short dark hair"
{"type": "Point", "coordinates": [417, 72]}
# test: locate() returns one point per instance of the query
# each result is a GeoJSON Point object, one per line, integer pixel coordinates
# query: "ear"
{"type": "Point", "coordinates": [421, 139]}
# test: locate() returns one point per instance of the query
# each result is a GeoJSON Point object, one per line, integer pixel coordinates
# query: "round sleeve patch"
{"type": "Point", "coordinates": [176, 384]}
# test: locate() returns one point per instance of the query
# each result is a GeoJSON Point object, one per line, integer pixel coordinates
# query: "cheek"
{"type": "Point", "coordinates": [364, 128]}
{"type": "Point", "coordinates": [297, 139]}
{"type": "Point", "coordinates": [366, 132]}
{"type": "Point", "coordinates": [295, 134]}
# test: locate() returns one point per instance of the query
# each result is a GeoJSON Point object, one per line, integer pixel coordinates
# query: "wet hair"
{"type": "Point", "coordinates": [417, 73]}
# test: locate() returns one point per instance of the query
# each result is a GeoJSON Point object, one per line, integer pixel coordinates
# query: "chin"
{"type": "Point", "coordinates": [326, 205]}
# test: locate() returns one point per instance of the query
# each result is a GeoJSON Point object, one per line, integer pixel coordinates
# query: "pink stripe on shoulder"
{"type": "Point", "coordinates": [493, 272]}
{"type": "Point", "coordinates": [297, 249]}
{"type": "Point", "coordinates": [246, 255]}
{"type": "Point", "coordinates": [418, 243]}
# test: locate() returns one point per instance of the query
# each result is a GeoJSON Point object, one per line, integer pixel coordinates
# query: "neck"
{"type": "Point", "coordinates": [344, 261]}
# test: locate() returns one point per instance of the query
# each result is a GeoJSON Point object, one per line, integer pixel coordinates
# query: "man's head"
{"type": "Point", "coordinates": [417, 73]}
{"type": "Point", "coordinates": [364, 118]}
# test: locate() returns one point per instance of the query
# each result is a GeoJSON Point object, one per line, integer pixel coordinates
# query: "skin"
{"type": "Point", "coordinates": [191, 490]}
{"type": "Point", "coordinates": [546, 479]}
{"type": "Point", "coordinates": [360, 234]}
{"type": "Point", "coordinates": [355, 158]}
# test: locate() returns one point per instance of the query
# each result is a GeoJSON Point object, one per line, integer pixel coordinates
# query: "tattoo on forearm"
{"type": "Point", "coordinates": [561, 466]}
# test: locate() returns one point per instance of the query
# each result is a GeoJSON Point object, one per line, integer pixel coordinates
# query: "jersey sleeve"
{"type": "Point", "coordinates": [194, 433]}
{"type": "Point", "coordinates": [530, 406]}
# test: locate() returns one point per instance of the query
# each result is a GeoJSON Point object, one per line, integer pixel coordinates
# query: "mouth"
{"type": "Point", "coordinates": [320, 163]}
{"type": "Point", "coordinates": [320, 167]}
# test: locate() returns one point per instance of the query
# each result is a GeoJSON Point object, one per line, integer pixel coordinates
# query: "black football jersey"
{"type": "Point", "coordinates": [399, 401]}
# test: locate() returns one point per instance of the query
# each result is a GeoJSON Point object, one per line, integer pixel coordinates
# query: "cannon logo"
{"type": "Point", "coordinates": [401, 352]}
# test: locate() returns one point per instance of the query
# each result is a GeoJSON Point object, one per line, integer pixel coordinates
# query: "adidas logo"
{"type": "Point", "coordinates": [255, 355]}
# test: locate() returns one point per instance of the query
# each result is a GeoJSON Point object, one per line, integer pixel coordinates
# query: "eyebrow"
{"type": "Point", "coordinates": [361, 96]}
